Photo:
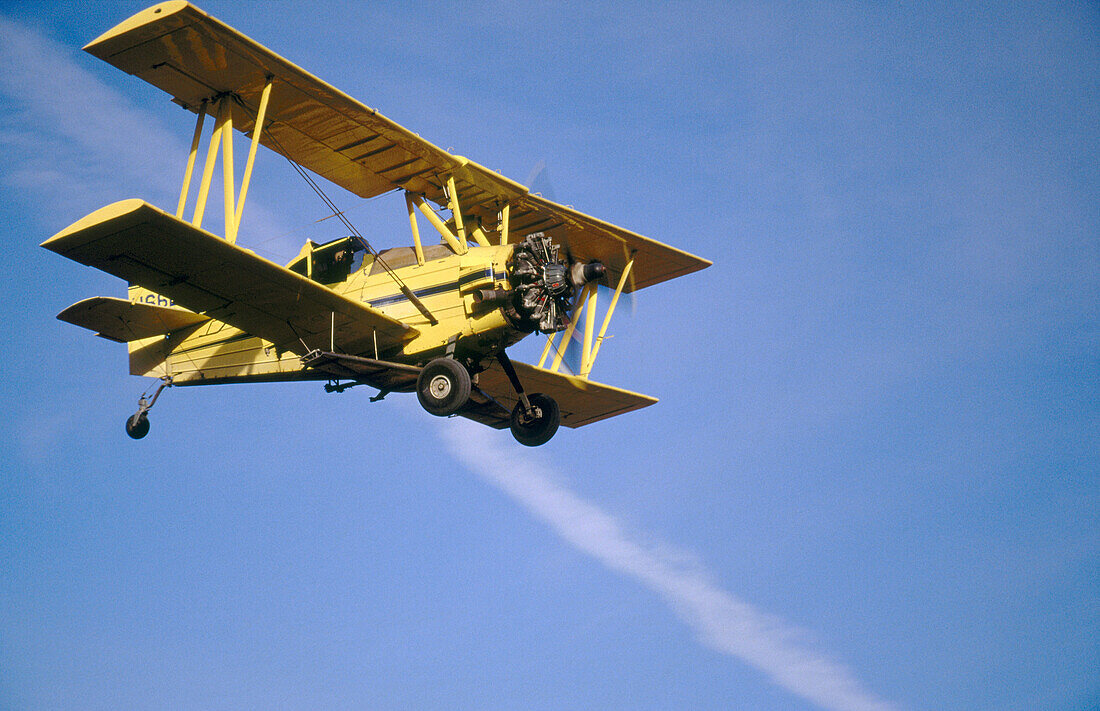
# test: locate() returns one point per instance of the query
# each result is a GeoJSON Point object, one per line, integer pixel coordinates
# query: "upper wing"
{"type": "Point", "coordinates": [589, 238]}
{"type": "Point", "coordinates": [204, 273]}
{"type": "Point", "coordinates": [195, 58]}
{"type": "Point", "coordinates": [124, 321]}
{"type": "Point", "coordinates": [581, 402]}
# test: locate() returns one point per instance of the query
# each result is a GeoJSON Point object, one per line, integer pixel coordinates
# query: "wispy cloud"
{"type": "Point", "coordinates": [75, 143]}
{"type": "Point", "coordinates": [69, 130]}
{"type": "Point", "coordinates": [721, 620]}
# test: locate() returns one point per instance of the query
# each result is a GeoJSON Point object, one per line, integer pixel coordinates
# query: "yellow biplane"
{"type": "Point", "coordinates": [434, 318]}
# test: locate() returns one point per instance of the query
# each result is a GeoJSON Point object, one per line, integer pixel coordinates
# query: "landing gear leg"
{"type": "Point", "coordinates": [510, 371]}
{"type": "Point", "coordinates": [137, 424]}
{"type": "Point", "coordinates": [535, 419]}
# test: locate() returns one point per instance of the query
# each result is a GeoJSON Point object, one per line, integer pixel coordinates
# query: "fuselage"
{"type": "Point", "coordinates": [446, 285]}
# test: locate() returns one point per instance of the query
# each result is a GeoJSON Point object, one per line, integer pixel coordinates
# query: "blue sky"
{"type": "Point", "coordinates": [872, 478]}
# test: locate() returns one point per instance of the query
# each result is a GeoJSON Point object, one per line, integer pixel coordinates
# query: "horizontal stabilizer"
{"type": "Point", "coordinates": [581, 401]}
{"type": "Point", "coordinates": [206, 274]}
{"type": "Point", "coordinates": [124, 321]}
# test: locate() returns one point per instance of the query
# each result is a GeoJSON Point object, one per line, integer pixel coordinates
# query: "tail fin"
{"type": "Point", "coordinates": [149, 354]}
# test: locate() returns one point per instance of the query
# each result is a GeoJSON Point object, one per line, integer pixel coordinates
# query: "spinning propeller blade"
{"type": "Point", "coordinates": [551, 282]}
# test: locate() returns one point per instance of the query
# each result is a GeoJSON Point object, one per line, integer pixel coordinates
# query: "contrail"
{"type": "Point", "coordinates": [721, 621]}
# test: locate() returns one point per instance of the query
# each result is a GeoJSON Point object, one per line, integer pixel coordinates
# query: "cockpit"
{"type": "Point", "coordinates": [331, 262]}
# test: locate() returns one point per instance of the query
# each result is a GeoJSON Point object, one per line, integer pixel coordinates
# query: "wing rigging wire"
{"type": "Point", "coordinates": [405, 290]}
{"type": "Point", "coordinates": [305, 226]}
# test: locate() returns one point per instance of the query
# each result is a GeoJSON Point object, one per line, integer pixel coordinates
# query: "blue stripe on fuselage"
{"type": "Point", "coordinates": [486, 273]}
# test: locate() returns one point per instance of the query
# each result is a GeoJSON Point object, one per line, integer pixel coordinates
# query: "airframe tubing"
{"type": "Point", "coordinates": [191, 160]}
{"type": "Point", "coordinates": [610, 311]}
{"type": "Point", "coordinates": [438, 225]}
{"type": "Point", "coordinates": [546, 349]}
{"type": "Point", "coordinates": [572, 327]}
{"type": "Point", "coordinates": [227, 174]}
{"type": "Point", "coordinates": [417, 247]}
{"type": "Point", "coordinates": [208, 169]}
{"type": "Point", "coordinates": [479, 236]}
{"type": "Point", "coordinates": [589, 331]}
{"type": "Point", "coordinates": [456, 212]}
{"type": "Point", "coordinates": [257, 129]}
{"type": "Point", "coordinates": [460, 225]}
{"type": "Point", "coordinates": [504, 223]}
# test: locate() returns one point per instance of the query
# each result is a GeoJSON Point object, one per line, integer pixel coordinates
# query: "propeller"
{"type": "Point", "coordinates": [538, 181]}
{"type": "Point", "coordinates": [548, 282]}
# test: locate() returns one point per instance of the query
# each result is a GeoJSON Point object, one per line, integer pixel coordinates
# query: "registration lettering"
{"type": "Point", "coordinates": [154, 300]}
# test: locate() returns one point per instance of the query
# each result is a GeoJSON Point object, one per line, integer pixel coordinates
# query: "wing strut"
{"type": "Point", "coordinates": [591, 360]}
{"type": "Point", "coordinates": [261, 113]}
{"type": "Point", "coordinates": [191, 160]}
{"type": "Point", "coordinates": [222, 136]}
{"type": "Point", "coordinates": [591, 341]}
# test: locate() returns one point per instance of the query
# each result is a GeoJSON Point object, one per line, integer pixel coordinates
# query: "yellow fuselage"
{"type": "Point", "coordinates": [445, 284]}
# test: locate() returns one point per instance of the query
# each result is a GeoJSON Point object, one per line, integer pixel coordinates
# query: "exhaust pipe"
{"type": "Point", "coordinates": [482, 296]}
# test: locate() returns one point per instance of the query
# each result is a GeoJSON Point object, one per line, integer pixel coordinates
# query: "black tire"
{"type": "Point", "coordinates": [443, 387]}
{"type": "Point", "coordinates": [137, 425]}
{"type": "Point", "coordinates": [531, 432]}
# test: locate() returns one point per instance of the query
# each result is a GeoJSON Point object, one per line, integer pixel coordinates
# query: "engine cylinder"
{"type": "Point", "coordinates": [542, 286]}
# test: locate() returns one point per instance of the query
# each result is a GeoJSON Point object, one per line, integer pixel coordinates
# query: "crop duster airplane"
{"type": "Point", "coordinates": [434, 318]}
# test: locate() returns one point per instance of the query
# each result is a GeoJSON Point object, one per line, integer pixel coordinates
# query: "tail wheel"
{"type": "Point", "coordinates": [443, 387]}
{"type": "Point", "coordinates": [539, 426]}
{"type": "Point", "coordinates": [137, 425]}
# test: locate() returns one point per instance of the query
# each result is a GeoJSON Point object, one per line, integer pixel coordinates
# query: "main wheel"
{"type": "Point", "coordinates": [137, 425]}
{"type": "Point", "coordinates": [443, 386]}
{"type": "Point", "coordinates": [533, 431]}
